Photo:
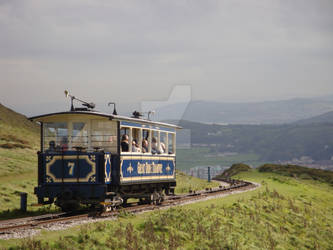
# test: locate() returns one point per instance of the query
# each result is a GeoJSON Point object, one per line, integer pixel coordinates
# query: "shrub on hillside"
{"type": "Point", "coordinates": [299, 172]}
{"type": "Point", "coordinates": [13, 145]}
{"type": "Point", "coordinates": [234, 169]}
{"type": "Point", "coordinates": [13, 138]}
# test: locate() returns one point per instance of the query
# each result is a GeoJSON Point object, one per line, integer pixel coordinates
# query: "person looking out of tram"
{"type": "Point", "coordinates": [144, 146]}
{"type": "Point", "coordinates": [124, 143]}
{"type": "Point", "coordinates": [52, 147]}
{"type": "Point", "coordinates": [64, 144]}
{"type": "Point", "coordinates": [155, 148]}
{"type": "Point", "coordinates": [135, 146]}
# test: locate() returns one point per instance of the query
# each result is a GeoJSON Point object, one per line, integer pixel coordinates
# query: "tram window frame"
{"type": "Point", "coordinates": [107, 134]}
{"type": "Point", "coordinates": [140, 134]}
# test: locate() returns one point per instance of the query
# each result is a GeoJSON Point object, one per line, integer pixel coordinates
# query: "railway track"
{"type": "Point", "coordinates": [14, 225]}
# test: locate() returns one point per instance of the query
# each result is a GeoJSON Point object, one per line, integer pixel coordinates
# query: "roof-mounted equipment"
{"type": "Point", "coordinates": [84, 103]}
{"type": "Point", "coordinates": [137, 114]}
{"type": "Point", "coordinates": [114, 107]}
{"type": "Point", "coordinates": [150, 112]}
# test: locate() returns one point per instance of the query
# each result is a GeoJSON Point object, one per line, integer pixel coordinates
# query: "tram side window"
{"type": "Point", "coordinates": [145, 141]}
{"type": "Point", "coordinates": [79, 135]}
{"type": "Point", "coordinates": [154, 143]}
{"type": "Point", "coordinates": [163, 142]}
{"type": "Point", "coordinates": [171, 143]}
{"type": "Point", "coordinates": [124, 143]}
{"type": "Point", "coordinates": [136, 141]}
{"type": "Point", "coordinates": [55, 136]}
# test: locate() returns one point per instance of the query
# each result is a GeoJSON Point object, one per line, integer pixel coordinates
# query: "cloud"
{"type": "Point", "coordinates": [224, 49]}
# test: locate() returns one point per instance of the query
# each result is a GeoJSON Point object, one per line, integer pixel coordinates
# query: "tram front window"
{"type": "Point", "coordinates": [104, 136]}
{"type": "Point", "coordinates": [55, 136]}
{"type": "Point", "coordinates": [79, 135]}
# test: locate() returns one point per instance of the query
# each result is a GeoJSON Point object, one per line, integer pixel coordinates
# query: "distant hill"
{"type": "Point", "coordinates": [269, 112]}
{"type": "Point", "coordinates": [266, 112]}
{"type": "Point", "coordinates": [270, 142]}
{"type": "Point", "coordinates": [324, 118]}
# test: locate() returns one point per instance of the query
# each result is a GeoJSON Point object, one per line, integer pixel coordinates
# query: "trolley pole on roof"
{"type": "Point", "coordinates": [208, 174]}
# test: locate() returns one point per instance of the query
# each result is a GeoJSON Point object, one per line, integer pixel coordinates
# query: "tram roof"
{"type": "Point", "coordinates": [45, 117]}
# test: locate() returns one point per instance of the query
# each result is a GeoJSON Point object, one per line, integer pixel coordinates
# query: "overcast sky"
{"type": "Point", "coordinates": [132, 51]}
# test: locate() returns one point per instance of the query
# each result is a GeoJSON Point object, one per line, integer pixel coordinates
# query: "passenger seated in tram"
{"type": "Point", "coordinates": [144, 146]}
{"type": "Point", "coordinates": [135, 146]}
{"type": "Point", "coordinates": [64, 144]}
{"type": "Point", "coordinates": [124, 143]}
{"type": "Point", "coordinates": [52, 147]}
{"type": "Point", "coordinates": [155, 149]}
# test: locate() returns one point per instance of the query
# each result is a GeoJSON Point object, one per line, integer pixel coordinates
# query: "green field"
{"type": "Point", "coordinates": [189, 158]}
{"type": "Point", "coordinates": [285, 213]}
{"type": "Point", "coordinates": [185, 183]}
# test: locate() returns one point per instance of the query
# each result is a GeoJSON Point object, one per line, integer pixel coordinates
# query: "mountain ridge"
{"type": "Point", "coordinates": [323, 118]}
{"type": "Point", "coordinates": [266, 112]}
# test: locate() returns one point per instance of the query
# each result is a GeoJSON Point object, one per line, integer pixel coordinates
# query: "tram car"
{"type": "Point", "coordinates": [100, 159]}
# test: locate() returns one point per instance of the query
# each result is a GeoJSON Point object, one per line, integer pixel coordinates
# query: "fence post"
{"type": "Point", "coordinates": [24, 202]}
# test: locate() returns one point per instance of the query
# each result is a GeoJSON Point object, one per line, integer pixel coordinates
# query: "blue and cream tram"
{"type": "Point", "coordinates": [98, 158]}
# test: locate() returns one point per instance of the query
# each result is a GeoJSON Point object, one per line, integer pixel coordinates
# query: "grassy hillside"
{"type": "Point", "coordinates": [285, 213]}
{"type": "Point", "coordinates": [299, 172]}
{"type": "Point", "coordinates": [19, 142]}
{"type": "Point", "coordinates": [185, 183]}
{"type": "Point", "coordinates": [16, 120]}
